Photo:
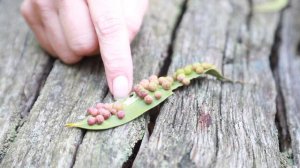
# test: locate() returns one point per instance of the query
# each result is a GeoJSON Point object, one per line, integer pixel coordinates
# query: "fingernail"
{"type": "Point", "coordinates": [120, 87]}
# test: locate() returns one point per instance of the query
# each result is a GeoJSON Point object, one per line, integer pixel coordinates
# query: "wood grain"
{"type": "Point", "coordinates": [208, 124]}
{"type": "Point", "coordinates": [214, 124]}
{"type": "Point", "coordinates": [43, 141]}
{"type": "Point", "coordinates": [288, 69]}
{"type": "Point", "coordinates": [23, 67]}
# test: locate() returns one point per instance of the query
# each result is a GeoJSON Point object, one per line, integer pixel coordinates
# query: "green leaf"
{"type": "Point", "coordinates": [135, 106]}
{"type": "Point", "coordinates": [217, 74]}
{"type": "Point", "coordinates": [271, 6]}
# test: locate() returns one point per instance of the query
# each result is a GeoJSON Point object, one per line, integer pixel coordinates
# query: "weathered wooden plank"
{"type": "Point", "coordinates": [43, 141]}
{"type": "Point", "coordinates": [288, 70]}
{"type": "Point", "coordinates": [213, 124]}
{"type": "Point", "coordinates": [112, 148]}
{"type": "Point", "coordinates": [23, 67]}
{"type": "Point", "coordinates": [69, 90]}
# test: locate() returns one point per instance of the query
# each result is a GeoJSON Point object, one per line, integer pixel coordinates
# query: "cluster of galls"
{"type": "Point", "coordinates": [152, 84]}
{"type": "Point", "coordinates": [102, 111]}
{"type": "Point", "coordinates": [199, 68]}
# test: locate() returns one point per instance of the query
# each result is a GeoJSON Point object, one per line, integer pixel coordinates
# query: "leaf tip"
{"type": "Point", "coordinates": [270, 6]}
{"type": "Point", "coordinates": [70, 125]}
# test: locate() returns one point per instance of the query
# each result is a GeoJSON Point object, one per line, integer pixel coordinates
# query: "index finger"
{"type": "Point", "coordinates": [110, 25]}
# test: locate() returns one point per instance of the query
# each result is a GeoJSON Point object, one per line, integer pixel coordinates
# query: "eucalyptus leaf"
{"type": "Point", "coordinates": [135, 106]}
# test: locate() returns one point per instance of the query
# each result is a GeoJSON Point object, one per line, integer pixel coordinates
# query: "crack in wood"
{"type": "Point", "coordinates": [168, 59]}
{"type": "Point", "coordinates": [27, 106]}
{"type": "Point", "coordinates": [135, 150]}
{"type": "Point", "coordinates": [105, 94]}
{"type": "Point", "coordinates": [224, 61]}
{"type": "Point", "coordinates": [298, 49]}
{"type": "Point", "coordinates": [27, 101]}
{"type": "Point", "coordinates": [280, 118]}
{"type": "Point", "coordinates": [250, 14]}
{"type": "Point", "coordinates": [166, 64]}
{"type": "Point", "coordinates": [77, 147]}
{"type": "Point", "coordinates": [39, 84]}
{"type": "Point", "coordinates": [153, 114]}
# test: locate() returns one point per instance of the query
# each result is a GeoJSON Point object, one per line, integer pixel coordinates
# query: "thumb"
{"type": "Point", "coordinates": [110, 25]}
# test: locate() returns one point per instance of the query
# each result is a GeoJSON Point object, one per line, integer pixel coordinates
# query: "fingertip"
{"type": "Point", "coordinates": [120, 81]}
{"type": "Point", "coordinates": [120, 87]}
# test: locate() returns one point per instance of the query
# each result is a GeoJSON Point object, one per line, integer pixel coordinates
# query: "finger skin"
{"type": "Point", "coordinates": [47, 10]}
{"type": "Point", "coordinates": [111, 29]}
{"type": "Point", "coordinates": [78, 27]}
{"type": "Point", "coordinates": [36, 25]}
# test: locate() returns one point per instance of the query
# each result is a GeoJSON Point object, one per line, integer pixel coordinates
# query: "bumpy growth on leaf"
{"type": "Point", "coordinates": [146, 95]}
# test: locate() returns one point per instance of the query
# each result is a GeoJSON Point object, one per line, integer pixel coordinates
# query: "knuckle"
{"type": "Point", "coordinates": [115, 68]}
{"type": "Point", "coordinates": [83, 45]}
{"type": "Point", "coordinates": [64, 3]}
{"type": "Point", "coordinates": [116, 64]}
{"type": "Point", "coordinates": [42, 5]}
{"type": "Point", "coordinates": [108, 25]}
{"type": "Point", "coordinates": [69, 59]}
{"type": "Point", "coordinates": [133, 31]}
{"type": "Point", "coordinates": [39, 3]}
{"type": "Point", "coordinates": [133, 28]}
{"type": "Point", "coordinates": [25, 11]}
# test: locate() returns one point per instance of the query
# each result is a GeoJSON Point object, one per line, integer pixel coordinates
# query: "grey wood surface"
{"type": "Point", "coordinates": [44, 139]}
{"type": "Point", "coordinates": [214, 124]}
{"type": "Point", "coordinates": [288, 72]}
{"type": "Point", "coordinates": [208, 124]}
{"type": "Point", "coordinates": [23, 68]}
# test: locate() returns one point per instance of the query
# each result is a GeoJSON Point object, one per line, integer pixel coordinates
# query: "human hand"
{"type": "Point", "coordinates": [73, 29]}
